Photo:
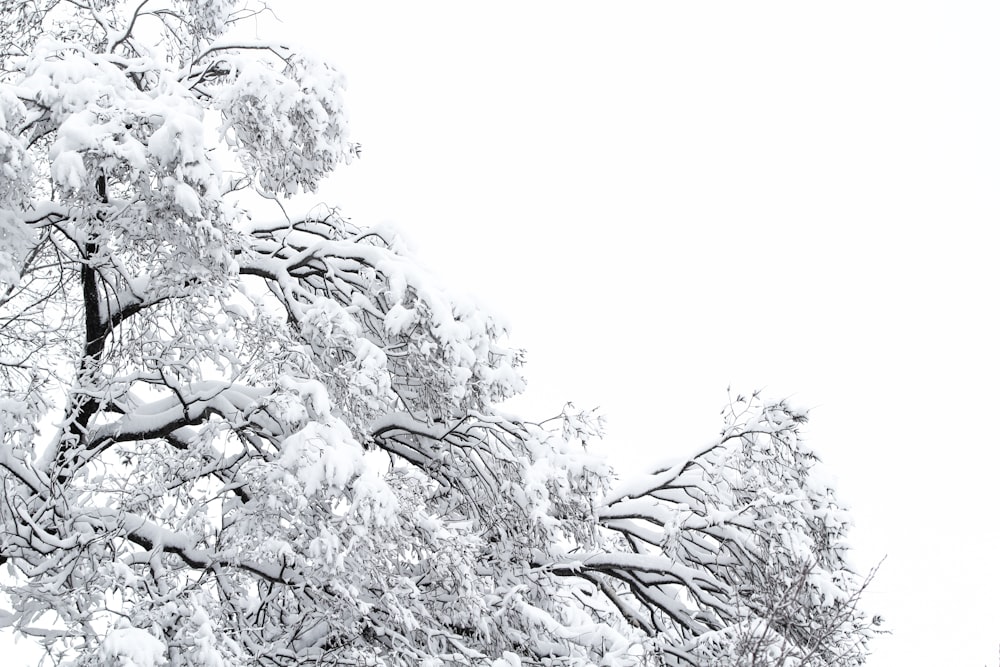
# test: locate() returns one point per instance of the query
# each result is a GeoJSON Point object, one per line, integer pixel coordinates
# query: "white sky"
{"type": "Point", "coordinates": [666, 198]}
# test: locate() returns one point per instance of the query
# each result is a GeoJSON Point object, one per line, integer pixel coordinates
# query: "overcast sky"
{"type": "Point", "coordinates": [664, 199]}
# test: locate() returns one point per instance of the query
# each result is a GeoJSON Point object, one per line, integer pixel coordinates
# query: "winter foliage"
{"type": "Point", "coordinates": [230, 440]}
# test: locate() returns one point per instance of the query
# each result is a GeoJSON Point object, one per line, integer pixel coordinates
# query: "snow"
{"type": "Point", "coordinates": [322, 455]}
{"type": "Point", "coordinates": [187, 199]}
{"type": "Point", "coordinates": [398, 318]}
{"type": "Point", "coordinates": [178, 141]}
{"type": "Point", "coordinates": [508, 659]}
{"type": "Point", "coordinates": [132, 647]}
{"type": "Point", "coordinates": [69, 171]}
{"type": "Point", "coordinates": [205, 654]}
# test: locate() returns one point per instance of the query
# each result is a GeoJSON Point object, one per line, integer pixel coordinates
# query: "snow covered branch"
{"type": "Point", "coordinates": [226, 440]}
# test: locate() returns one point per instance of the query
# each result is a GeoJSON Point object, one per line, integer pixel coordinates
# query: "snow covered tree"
{"type": "Point", "coordinates": [232, 440]}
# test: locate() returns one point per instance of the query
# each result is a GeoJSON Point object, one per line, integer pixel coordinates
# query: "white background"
{"type": "Point", "coordinates": [664, 199]}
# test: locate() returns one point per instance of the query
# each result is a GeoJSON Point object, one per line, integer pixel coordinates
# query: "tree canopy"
{"type": "Point", "coordinates": [230, 439]}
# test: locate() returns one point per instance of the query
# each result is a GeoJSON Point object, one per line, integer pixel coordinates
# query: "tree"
{"type": "Point", "coordinates": [235, 440]}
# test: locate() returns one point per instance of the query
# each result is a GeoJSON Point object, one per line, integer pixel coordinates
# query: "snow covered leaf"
{"type": "Point", "coordinates": [132, 647]}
